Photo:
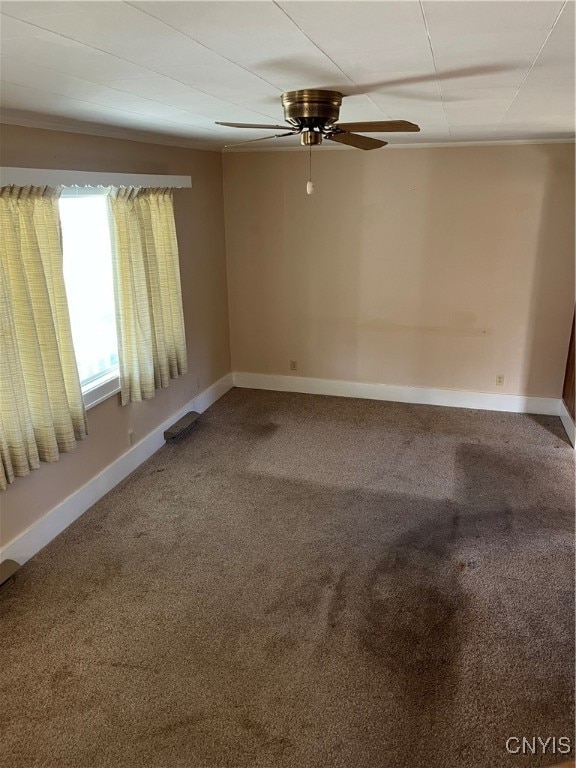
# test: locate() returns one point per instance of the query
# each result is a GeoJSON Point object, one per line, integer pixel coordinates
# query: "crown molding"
{"type": "Point", "coordinates": [49, 123]}
{"type": "Point", "coordinates": [419, 145]}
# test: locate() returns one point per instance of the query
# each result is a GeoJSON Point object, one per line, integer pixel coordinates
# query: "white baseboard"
{"type": "Point", "coordinates": [33, 539]}
{"type": "Point", "coordinates": [453, 398]}
{"type": "Point", "coordinates": [567, 422]}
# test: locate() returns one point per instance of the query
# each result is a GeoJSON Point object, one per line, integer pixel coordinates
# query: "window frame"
{"type": "Point", "coordinates": [101, 391]}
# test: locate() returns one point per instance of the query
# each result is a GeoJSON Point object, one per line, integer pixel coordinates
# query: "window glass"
{"type": "Point", "coordinates": [89, 283]}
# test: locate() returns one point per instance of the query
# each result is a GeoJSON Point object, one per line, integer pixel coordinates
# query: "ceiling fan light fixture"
{"type": "Point", "coordinates": [310, 138]}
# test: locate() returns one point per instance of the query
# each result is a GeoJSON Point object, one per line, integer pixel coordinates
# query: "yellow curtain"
{"type": "Point", "coordinates": [149, 317]}
{"type": "Point", "coordinates": [41, 409]}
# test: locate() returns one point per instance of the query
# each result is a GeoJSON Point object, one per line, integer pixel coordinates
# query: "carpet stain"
{"type": "Point", "coordinates": [261, 430]}
{"type": "Point", "coordinates": [338, 600]}
{"type": "Point", "coordinates": [301, 595]}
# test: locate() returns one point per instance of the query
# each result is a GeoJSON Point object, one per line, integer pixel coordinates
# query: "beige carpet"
{"type": "Point", "coordinates": [305, 582]}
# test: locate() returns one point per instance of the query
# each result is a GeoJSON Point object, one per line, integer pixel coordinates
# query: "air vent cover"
{"type": "Point", "coordinates": [182, 427]}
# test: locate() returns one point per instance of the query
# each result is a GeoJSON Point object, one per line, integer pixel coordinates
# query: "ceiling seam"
{"type": "Point", "coordinates": [127, 61]}
{"type": "Point", "coordinates": [420, 145]}
{"type": "Point", "coordinates": [556, 20]}
{"type": "Point", "coordinates": [429, 36]}
{"type": "Point", "coordinates": [203, 45]}
{"type": "Point", "coordinates": [330, 59]}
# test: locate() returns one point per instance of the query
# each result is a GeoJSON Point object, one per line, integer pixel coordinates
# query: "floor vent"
{"type": "Point", "coordinates": [182, 427]}
{"type": "Point", "coordinates": [7, 570]}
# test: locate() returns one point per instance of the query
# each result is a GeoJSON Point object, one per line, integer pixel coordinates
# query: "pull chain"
{"type": "Point", "coordinates": [310, 184]}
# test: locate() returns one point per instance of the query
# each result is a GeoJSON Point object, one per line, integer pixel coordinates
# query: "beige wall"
{"type": "Point", "coordinates": [200, 229]}
{"type": "Point", "coordinates": [420, 267]}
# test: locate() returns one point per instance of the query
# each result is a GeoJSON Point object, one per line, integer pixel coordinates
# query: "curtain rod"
{"type": "Point", "coordinates": [38, 177]}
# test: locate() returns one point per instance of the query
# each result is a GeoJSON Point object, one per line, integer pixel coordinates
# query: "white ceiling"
{"type": "Point", "coordinates": [166, 71]}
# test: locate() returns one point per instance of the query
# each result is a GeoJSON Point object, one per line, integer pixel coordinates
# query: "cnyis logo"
{"type": "Point", "coordinates": [538, 745]}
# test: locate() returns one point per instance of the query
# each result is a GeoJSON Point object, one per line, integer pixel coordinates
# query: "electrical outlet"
{"type": "Point", "coordinates": [131, 436]}
{"type": "Point", "coordinates": [500, 380]}
{"type": "Point", "coordinates": [293, 365]}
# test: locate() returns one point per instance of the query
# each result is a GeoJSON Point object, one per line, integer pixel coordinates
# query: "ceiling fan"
{"type": "Point", "coordinates": [313, 115]}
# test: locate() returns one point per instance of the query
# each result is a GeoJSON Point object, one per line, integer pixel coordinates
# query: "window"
{"type": "Point", "coordinates": [90, 289]}
{"type": "Point", "coordinates": [88, 271]}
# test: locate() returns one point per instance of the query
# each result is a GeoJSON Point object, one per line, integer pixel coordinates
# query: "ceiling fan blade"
{"type": "Point", "coordinates": [432, 77]}
{"type": "Point", "coordinates": [262, 138]}
{"type": "Point", "coordinates": [383, 126]}
{"type": "Point", "coordinates": [354, 140]}
{"type": "Point", "coordinates": [252, 125]}
{"type": "Point", "coordinates": [293, 65]}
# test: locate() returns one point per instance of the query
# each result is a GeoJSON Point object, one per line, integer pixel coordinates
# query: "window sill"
{"type": "Point", "coordinates": [100, 391]}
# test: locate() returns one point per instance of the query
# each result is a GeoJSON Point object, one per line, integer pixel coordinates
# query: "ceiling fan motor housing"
{"type": "Point", "coordinates": [312, 112]}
